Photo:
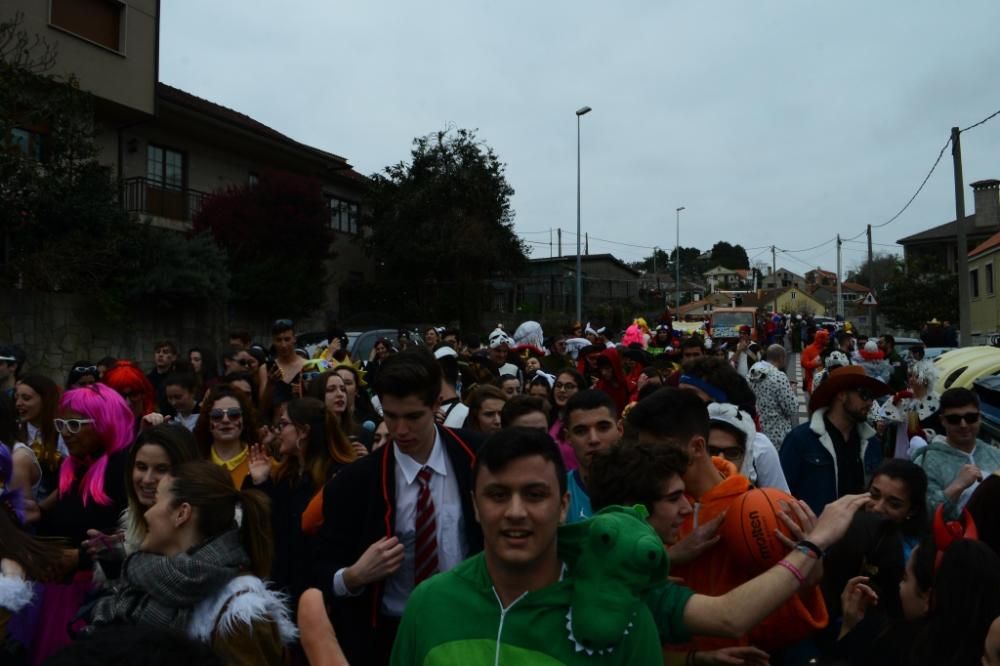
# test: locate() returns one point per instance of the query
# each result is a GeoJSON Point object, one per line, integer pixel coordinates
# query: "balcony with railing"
{"type": "Point", "coordinates": [143, 195]}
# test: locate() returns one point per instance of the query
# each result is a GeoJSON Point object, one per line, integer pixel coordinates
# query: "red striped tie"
{"type": "Point", "coordinates": [425, 562]}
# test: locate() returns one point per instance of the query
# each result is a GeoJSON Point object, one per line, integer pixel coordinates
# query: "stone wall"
{"type": "Point", "coordinates": [56, 330]}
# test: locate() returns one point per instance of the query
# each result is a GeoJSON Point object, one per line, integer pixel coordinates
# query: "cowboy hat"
{"type": "Point", "coordinates": [845, 379]}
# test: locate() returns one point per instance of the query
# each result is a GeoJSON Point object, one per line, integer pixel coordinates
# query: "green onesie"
{"type": "Point", "coordinates": [593, 615]}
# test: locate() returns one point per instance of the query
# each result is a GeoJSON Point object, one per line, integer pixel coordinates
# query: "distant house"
{"type": "Point", "coordinates": [984, 307]}
{"type": "Point", "coordinates": [781, 278]}
{"type": "Point", "coordinates": [549, 285]}
{"type": "Point", "coordinates": [702, 307]}
{"type": "Point", "coordinates": [787, 300]}
{"type": "Point", "coordinates": [721, 277]}
{"type": "Point", "coordinates": [821, 278]}
{"type": "Point", "coordinates": [938, 246]}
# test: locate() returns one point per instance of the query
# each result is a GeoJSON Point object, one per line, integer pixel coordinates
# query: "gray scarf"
{"type": "Point", "coordinates": [160, 591]}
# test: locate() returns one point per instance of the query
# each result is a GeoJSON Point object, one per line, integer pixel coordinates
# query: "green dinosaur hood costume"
{"type": "Point", "coordinates": [593, 615]}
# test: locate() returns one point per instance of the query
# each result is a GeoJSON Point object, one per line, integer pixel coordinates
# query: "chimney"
{"type": "Point", "coordinates": [987, 193]}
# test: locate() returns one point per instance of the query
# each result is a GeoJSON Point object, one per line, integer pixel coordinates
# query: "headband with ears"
{"type": "Point", "coordinates": [948, 532]}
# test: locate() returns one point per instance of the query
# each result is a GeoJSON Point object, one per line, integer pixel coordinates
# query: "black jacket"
{"type": "Point", "coordinates": [359, 506]}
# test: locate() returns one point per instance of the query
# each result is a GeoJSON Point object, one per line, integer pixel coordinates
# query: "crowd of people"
{"type": "Point", "coordinates": [584, 497]}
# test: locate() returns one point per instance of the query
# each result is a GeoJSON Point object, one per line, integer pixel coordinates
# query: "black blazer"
{"type": "Point", "coordinates": [359, 507]}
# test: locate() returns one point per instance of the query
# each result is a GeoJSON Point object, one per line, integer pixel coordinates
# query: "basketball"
{"type": "Point", "coordinates": [748, 529]}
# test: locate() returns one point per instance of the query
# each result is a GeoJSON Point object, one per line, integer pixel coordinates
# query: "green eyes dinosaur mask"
{"type": "Point", "coordinates": [613, 558]}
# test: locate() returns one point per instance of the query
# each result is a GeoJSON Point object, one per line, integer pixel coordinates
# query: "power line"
{"type": "Point", "coordinates": [926, 178]}
{"type": "Point", "coordinates": [984, 120]}
{"type": "Point", "coordinates": [807, 249]}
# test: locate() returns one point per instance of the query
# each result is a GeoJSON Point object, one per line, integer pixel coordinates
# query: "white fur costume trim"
{"type": "Point", "coordinates": [255, 603]}
{"type": "Point", "coordinates": [15, 593]}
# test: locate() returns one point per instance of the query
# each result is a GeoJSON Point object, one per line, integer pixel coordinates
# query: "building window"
{"type": "Point", "coordinates": [343, 215]}
{"type": "Point", "coordinates": [974, 282]}
{"type": "Point", "coordinates": [989, 279]}
{"type": "Point", "coordinates": [165, 167]}
{"type": "Point", "coordinates": [99, 21]}
{"type": "Point", "coordinates": [792, 294]}
{"type": "Point", "coordinates": [28, 142]}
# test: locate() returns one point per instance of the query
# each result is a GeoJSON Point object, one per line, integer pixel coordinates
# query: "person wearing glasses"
{"type": "Point", "coordinates": [834, 453]}
{"type": "Point", "coordinates": [83, 373]}
{"type": "Point", "coordinates": [734, 437]}
{"type": "Point", "coordinates": [97, 426]}
{"type": "Point", "coordinates": [567, 384]}
{"type": "Point", "coordinates": [225, 430]}
{"type": "Point", "coordinates": [957, 461]}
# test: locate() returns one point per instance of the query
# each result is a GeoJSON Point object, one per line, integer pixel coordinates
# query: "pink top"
{"type": "Point", "coordinates": [568, 455]}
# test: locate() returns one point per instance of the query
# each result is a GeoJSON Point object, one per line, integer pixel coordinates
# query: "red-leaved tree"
{"type": "Point", "coordinates": [277, 237]}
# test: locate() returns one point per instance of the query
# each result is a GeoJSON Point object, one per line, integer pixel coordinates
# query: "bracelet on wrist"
{"type": "Point", "coordinates": [816, 551]}
{"type": "Point", "coordinates": [794, 570]}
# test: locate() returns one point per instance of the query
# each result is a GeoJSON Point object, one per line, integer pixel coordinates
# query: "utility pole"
{"type": "Point", "coordinates": [774, 276]}
{"type": "Point", "coordinates": [873, 310]}
{"type": "Point", "coordinates": [550, 242]}
{"type": "Point", "coordinates": [962, 251]}
{"type": "Point", "coordinates": [840, 301]}
{"type": "Point", "coordinates": [586, 242]}
{"type": "Point", "coordinates": [559, 234]}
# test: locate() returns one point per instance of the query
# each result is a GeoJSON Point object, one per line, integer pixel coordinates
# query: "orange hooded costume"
{"type": "Point", "coordinates": [811, 360]}
{"type": "Point", "coordinates": [715, 572]}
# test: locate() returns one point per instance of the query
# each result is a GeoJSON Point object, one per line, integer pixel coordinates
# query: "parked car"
{"type": "Point", "coordinates": [361, 342]}
{"type": "Point", "coordinates": [988, 390]}
{"type": "Point", "coordinates": [961, 367]}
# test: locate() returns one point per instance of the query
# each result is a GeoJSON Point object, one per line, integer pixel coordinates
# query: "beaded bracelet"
{"type": "Point", "coordinates": [815, 550]}
{"type": "Point", "coordinates": [794, 570]}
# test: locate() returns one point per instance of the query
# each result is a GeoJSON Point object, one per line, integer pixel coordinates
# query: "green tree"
{"type": "Point", "coordinates": [729, 256]}
{"type": "Point", "coordinates": [62, 225]}
{"type": "Point", "coordinates": [443, 219]}
{"type": "Point", "coordinates": [909, 300]}
{"type": "Point", "coordinates": [885, 267]}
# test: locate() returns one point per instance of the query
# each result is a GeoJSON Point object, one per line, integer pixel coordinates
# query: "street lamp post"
{"type": "Point", "coordinates": [677, 264]}
{"type": "Point", "coordinates": [579, 282]}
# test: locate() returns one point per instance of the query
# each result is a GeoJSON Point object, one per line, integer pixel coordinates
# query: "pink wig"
{"type": "Point", "coordinates": [115, 427]}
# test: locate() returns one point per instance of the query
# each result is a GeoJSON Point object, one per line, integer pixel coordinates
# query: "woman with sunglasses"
{"type": "Point", "coordinates": [97, 426]}
{"type": "Point", "coordinates": [200, 570]}
{"type": "Point", "coordinates": [567, 384]}
{"type": "Point", "coordinates": [40, 450]}
{"type": "Point", "coordinates": [957, 461]}
{"type": "Point", "coordinates": [225, 430]}
{"type": "Point", "coordinates": [311, 449]}
{"type": "Point", "coordinates": [83, 373]}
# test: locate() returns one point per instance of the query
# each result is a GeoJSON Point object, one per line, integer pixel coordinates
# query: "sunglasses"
{"type": "Point", "coordinates": [732, 454]}
{"type": "Point", "coordinates": [559, 386]}
{"type": "Point", "coordinates": [86, 369]}
{"type": "Point", "coordinates": [233, 413]}
{"type": "Point", "coordinates": [955, 419]}
{"type": "Point", "coordinates": [865, 394]}
{"type": "Point", "coordinates": [72, 426]}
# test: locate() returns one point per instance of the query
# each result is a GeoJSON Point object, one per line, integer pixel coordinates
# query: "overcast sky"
{"type": "Point", "coordinates": [771, 122]}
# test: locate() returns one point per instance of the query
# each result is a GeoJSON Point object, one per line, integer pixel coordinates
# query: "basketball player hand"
{"type": "Point", "coordinates": [855, 600]}
{"type": "Point", "coordinates": [835, 520]}
{"type": "Point", "coordinates": [701, 539]}
{"type": "Point", "coordinates": [803, 524]}
{"type": "Point", "coordinates": [382, 559]}
{"type": "Point", "coordinates": [734, 655]}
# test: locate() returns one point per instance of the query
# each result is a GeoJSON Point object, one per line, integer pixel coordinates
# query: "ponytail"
{"type": "Point", "coordinates": [209, 488]}
{"type": "Point", "coordinates": [255, 531]}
